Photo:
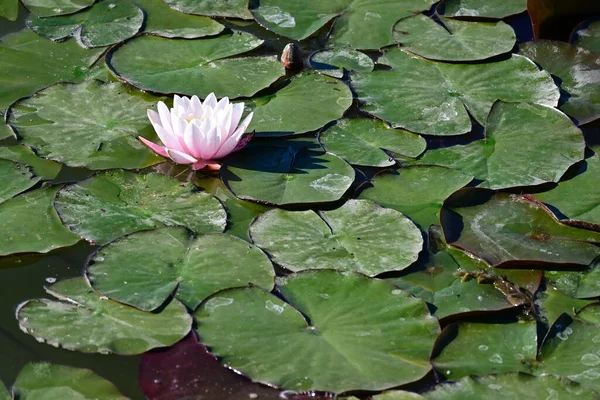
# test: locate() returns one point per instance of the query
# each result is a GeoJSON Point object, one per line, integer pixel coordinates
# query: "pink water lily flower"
{"type": "Point", "coordinates": [198, 133]}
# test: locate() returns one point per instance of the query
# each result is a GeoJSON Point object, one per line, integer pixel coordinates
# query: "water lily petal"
{"type": "Point", "coordinates": [222, 104]}
{"type": "Point", "coordinates": [165, 116]}
{"type": "Point", "coordinates": [167, 138]}
{"type": "Point", "coordinates": [211, 144]}
{"type": "Point", "coordinates": [180, 157]}
{"type": "Point", "coordinates": [160, 150]}
{"type": "Point", "coordinates": [197, 109]}
{"type": "Point", "coordinates": [177, 102]}
{"type": "Point", "coordinates": [231, 143]}
{"type": "Point", "coordinates": [210, 101]}
{"type": "Point", "coordinates": [194, 139]}
{"type": "Point", "coordinates": [153, 116]}
{"type": "Point", "coordinates": [236, 114]}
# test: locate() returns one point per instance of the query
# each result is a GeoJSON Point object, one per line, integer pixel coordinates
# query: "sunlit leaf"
{"type": "Point", "coordinates": [481, 8]}
{"type": "Point", "coordinates": [211, 8]}
{"type": "Point", "coordinates": [49, 8]}
{"type": "Point", "coordinates": [334, 62]}
{"type": "Point", "coordinates": [587, 35]}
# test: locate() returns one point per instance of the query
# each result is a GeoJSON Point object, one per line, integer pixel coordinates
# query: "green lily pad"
{"type": "Point", "coordinates": [514, 133]}
{"type": "Point", "coordinates": [315, 100]}
{"type": "Point", "coordinates": [358, 24]}
{"type": "Point", "coordinates": [510, 386]}
{"type": "Point", "coordinates": [384, 345]}
{"type": "Point", "coordinates": [579, 73]}
{"type": "Point", "coordinates": [116, 203]}
{"type": "Point", "coordinates": [456, 40]}
{"type": "Point", "coordinates": [160, 262]}
{"type": "Point", "coordinates": [553, 303]}
{"type": "Point", "coordinates": [290, 172]}
{"type": "Point", "coordinates": [196, 67]}
{"type": "Point", "coordinates": [581, 285]}
{"type": "Point", "coordinates": [359, 236]}
{"type": "Point", "coordinates": [9, 9]}
{"type": "Point", "coordinates": [45, 169]}
{"type": "Point", "coordinates": [81, 320]}
{"type": "Point", "coordinates": [103, 24]}
{"type": "Point", "coordinates": [432, 97]}
{"type": "Point", "coordinates": [14, 179]}
{"type": "Point", "coordinates": [49, 8]}
{"type": "Point", "coordinates": [92, 125]}
{"type": "Point", "coordinates": [4, 394]}
{"type": "Point", "coordinates": [587, 35]}
{"type": "Point", "coordinates": [23, 53]}
{"type": "Point", "coordinates": [5, 131]}
{"type": "Point", "coordinates": [333, 62]}
{"type": "Point", "coordinates": [363, 141]}
{"type": "Point", "coordinates": [211, 8]}
{"type": "Point", "coordinates": [398, 395]}
{"type": "Point", "coordinates": [50, 381]}
{"type": "Point", "coordinates": [582, 187]}
{"type": "Point", "coordinates": [416, 191]}
{"type": "Point", "coordinates": [510, 229]}
{"type": "Point", "coordinates": [482, 349]}
{"type": "Point", "coordinates": [164, 21]}
{"type": "Point", "coordinates": [30, 224]}
{"type": "Point", "coordinates": [481, 8]}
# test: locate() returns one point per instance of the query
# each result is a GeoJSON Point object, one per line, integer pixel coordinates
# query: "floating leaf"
{"type": "Point", "coordinates": [50, 381]}
{"type": "Point", "coordinates": [456, 40]}
{"type": "Point", "coordinates": [553, 303]}
{"type": "Point", "coordinates": [384, 345]}
{"type": "Point", "coordinates": [481, 8]}
{"type": "Point", "coordinates": [116, 203]}
{"type": "Point", "coordinates": [14, 179]}
{"type": "Point", "coordinates": [578, 71]}
{"type": "Point", "coordinates": [29, 63]}
{"type": "Point", "coordinates": [211, 8]}
{"type": "Point", "coordinates": [290, 172]}
{"type": "Point", "coordinates": [103, 24]}
{"type": "Point", "coordinates": [359, 236]}
{"type": "Point", "coordinates": [525, 144]}
{"type": "Point", "coordinates": [510, 386]}
{"type": "Point", "coordinates": [315, 100]}
{"type": "Point", "coordinates": [46, 169]}
{"type": "Point", "coordinates": [160, 262]}
{"type": "Point", "coordinates": [587, 35]}
{"type": "Point", "coordinates": [581, 285]}
{"type": "Point", "coordinates": [49, 8]}
{"type": "Point", "coordinates": [9, 9]}
{"type": "Point", "coordinates": [398, 395]}
{"type": "Point", "coordinates": [362, 141]}
{"type": "Point", "coordinates": [430, 97]}
{"type": "Point", "coordinates": [83, 321]}
{"type": "Point", "coordinates": [481, 349]}
{"type": "Point", "coordinates": [92, 125]}
{"type": "Point", "coordinates": [30, 224]}
{"type": "Point", "coordinates": [417, 191]}
{"type": "Point", "coordinates": [357, 24]}
{"type": "Point", "coordinates": [510, 229]}
{"type": "Point", "coordinates": [5, 131]}
{"type": "Point", "coordinates": [196, 67]}
{"type": "Point", "coordinates": [163, 21]}
{"type": "Point", "coordinates": [333, 62]}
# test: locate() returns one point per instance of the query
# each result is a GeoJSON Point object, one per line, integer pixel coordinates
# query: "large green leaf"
{"type": "Point", "coordinates": [50, 381]}
{"type": "Point", "coordinates": [306, 104]}
{"type": "Point", "coordinates": [359, 236]}
{"type": "Point", "coordinates": [510, 386]}
{"type": "Point", "coordinates": [29, 63]}
{"type": "Point", "coordinates": [333, 62]}
{"type": "Point", "coordinates": [587, 35]}
{"type": "Point", "coordinates": [417, 191]}
{"type": "Point", "coordinates": [163, 21]}
{"type": "Point", "coordinates": [362, 141]}
{"type": "Point", "coordinates": [211, 8]}
{"type": "Point", "coordinates": [103, 24]}
{"type": "Point", "coordinates": [14, 179]}
{"type": "Point", "coordinates": [30, 224]}
{"type": "Point", "coordinates": [328, 337]}
{"type": "Point", "coordinates": [578, 72]}
{"type": "Point", "coordinates": [553, 303]}
{"type": "Point", "coordinates": [482, 349]}
{"type": "Point", "coordinates": [525, 144]}
{"type": "Point", "coordinates": [196, 67]}
{"type": "Point", "coordinates": [361, 24]}
{"type": "Point", "coordinates": [577, 198]}
{"type": "Point", "coordinates": [116, 203]}
{"type": "Point", "coordinates": [510, 229]}
{"type": "Point", "coordinates": [49, 8]}
{"type": "Point", "coordinates": [584, 284]}
{"type": "Point", "coordinates": [46, 169]}
{"type": "Point", "coordinates": [82, 320]}
{"type": "Point", "coordinates": [9, 9]}
{"type": "Point", "coordinates": [290, 172]}
{"type": "Point", "coordinates": [481, 8]}
{"type": "Point", "coordinates": [157, 263]}
{"type": "Point", "coordinates": [433, 97]}
{"type": "Point", "coordinates": [5, 131]}
{"type": "Point", "coordinates": [456, 40]}
{"type": "Point", "coordinates": [92, 125]}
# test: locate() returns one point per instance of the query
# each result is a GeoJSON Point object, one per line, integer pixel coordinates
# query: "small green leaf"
{"type": "Point", "coordinates": [9, 9]}
{"type": "Point", "coordinates": [211, 8]}
{"type": "Point", "coordinates": [14, 179]}
{"type": "Point", "coordinates": [333, 62]}
{"type": "Point", "coordinates": [46, 169]}
{"type": "Point", "coordinates": [587, 35]}
{"type": "Point", "coordinates": [553, 303]}
{"type": "Point", "coordinates": [481, 8]}
{"type": "Point", "coordinates": [49, 8]}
